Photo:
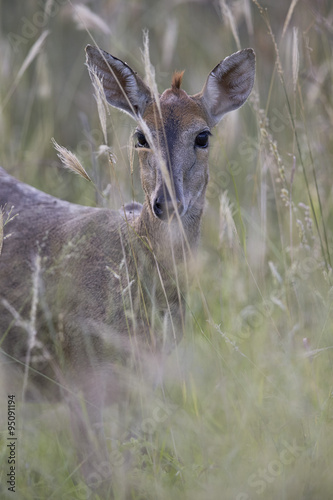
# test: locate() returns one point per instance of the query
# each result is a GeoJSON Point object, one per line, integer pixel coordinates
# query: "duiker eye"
{"type": "Point", "coordinates": [141, 140]}
{"type": "Point", "coordinates": [202, 139]}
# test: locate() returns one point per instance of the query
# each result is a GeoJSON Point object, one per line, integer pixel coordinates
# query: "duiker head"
{"type": "Point", "coordinates": [172, 137]}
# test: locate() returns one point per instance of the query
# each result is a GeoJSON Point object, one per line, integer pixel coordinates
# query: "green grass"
{"type": "Point", "coordinates": [246, 409]}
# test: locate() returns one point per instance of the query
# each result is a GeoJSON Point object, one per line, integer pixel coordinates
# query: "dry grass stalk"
{"type": "Point", "coordinates": [169, 41]}
{"type": "Point", "coordinates": [290, 13]}
{"type": "Point", "coordinates": [264, 13]}
{"type": "Point", "coordinates": [149, 69]}
{"type": "Point", "coordinates": [32, 54]}
{"type": "Point", "coordinates": [70, 161]}
{"type": "Point", "coordinates": [43, 75]}
{"type": "Point", "coordinates": [86, 19]}
{"type": "Point", "coordinates": [227, 230]}
{"type": "Point", "coordinates": [5, 217]}
{"type": "Point", "coordinates": [31, 325]}
{"type": "Point", "coordinates": [248, 17]}
{"type": "Point", "coordinates": [102, 105]}
{"type": "Point", "coordinates": [229, 18]}
{"type": "Point", "coordinates": [295, 59]}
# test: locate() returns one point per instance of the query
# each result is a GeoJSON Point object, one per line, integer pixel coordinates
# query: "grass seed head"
{"type": "Point", "coordinates": [70, 161]}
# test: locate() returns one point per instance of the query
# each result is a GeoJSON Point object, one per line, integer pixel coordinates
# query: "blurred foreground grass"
{"type": "Point", "coordinates": [246, 409]}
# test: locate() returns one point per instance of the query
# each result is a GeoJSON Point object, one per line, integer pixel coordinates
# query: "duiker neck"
{"type": "Point", "coordinates": [173, 239]}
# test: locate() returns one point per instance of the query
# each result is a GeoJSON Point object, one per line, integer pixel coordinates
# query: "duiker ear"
{"type": "Point", "coordinates": [228, 85]}
{"type": "Point", "coordinates": [123, 88]}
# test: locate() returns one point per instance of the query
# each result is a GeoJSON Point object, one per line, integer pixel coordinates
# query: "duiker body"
{"type": "Point", "coordinates": [81, 288]}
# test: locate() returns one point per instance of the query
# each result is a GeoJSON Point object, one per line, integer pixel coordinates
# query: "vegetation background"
{"type": "Point", "coordinates": [247, 411]}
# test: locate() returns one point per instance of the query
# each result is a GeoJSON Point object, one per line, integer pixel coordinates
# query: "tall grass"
{"type": "Point", "coordinates": [245, 409]}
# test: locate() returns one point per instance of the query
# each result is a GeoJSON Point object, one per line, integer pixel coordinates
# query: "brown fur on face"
{"type": "Point", "coordinates": [178, 110]}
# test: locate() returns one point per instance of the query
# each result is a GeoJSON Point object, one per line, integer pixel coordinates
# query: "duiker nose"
{"type": "Point", "coordinates": [164, 208]}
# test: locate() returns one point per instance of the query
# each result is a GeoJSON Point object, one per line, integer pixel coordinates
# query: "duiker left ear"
{"type": "Point", "coordinates": [123, 88]}
{"type": "Point", "coordinates": [228, 85]}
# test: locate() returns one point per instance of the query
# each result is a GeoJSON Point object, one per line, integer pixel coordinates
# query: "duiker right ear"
{"type": "Point", "coordinates": [123, 88]}
{"type": "Point", "coordinates": [228, 85]}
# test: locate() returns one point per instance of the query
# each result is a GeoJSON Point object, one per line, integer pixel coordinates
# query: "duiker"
{"type": "Point", "coordinates": [85, 290]}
